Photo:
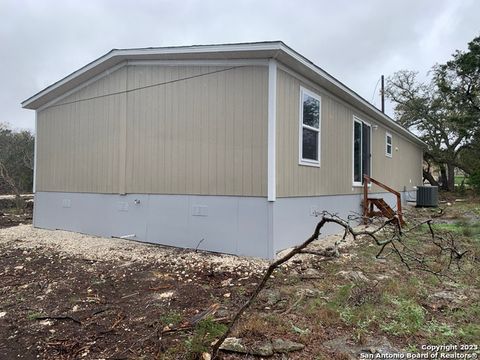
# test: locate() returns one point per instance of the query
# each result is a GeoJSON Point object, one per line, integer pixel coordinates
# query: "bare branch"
{"type": "Point", "coordinates": [387, 235]}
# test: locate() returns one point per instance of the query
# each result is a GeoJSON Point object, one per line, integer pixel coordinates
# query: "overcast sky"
{"type": "Point", "coordinates": [41, 41]}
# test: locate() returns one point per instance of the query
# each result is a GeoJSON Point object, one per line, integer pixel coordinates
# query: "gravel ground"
{"type": "Point", "coordinates": [112, 249]}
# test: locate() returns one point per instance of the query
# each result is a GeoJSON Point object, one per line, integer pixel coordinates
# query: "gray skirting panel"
{"type": "Point", "coordinates": [249, 226]}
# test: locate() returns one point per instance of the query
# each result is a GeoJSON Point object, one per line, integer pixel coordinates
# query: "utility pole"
{"type": "Point", "coordinates": [382, 93]}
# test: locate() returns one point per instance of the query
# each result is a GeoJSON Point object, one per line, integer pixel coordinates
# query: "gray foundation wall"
{"type": "Point", "coordinates": [249, 226]}
{"type": "Point", "coordinates": [227, 224]}
{"type": "Point", "coordinates": [294, 217]}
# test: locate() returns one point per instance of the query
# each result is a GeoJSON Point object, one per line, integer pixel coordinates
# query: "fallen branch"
{"type": "Point", "coordinates": [99, 311]}
{"type": "Point", "coordinates": [212, 309]}
{"type": "Point", "coordinates": [296, 250]}
{"type": "Point", "coordinates": [391, 238]}
{"type": "Point", "coordinates": [130, 295]}
{"type": "Point", "coordinates": [198, 245]}
{"type": "Point", "coordinates": [161, 287]}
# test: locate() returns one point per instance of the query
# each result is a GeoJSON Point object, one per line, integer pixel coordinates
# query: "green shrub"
{"type": "Point", "coordinates": [172, 317]}
{"type": "Point", "coordinates": [206, 331]}
{"type": "Point", "coordinates": [474, 181]}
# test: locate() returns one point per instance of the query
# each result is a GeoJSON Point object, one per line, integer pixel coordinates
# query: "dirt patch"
{"type": "Point", "coordinates": [61, 306]}
{"type": "Point", "coordinates": [67, 296]}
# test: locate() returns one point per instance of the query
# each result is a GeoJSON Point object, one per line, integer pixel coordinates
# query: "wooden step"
{"type": "Point", "coordinates": [384, 209]}
{"type": "Point", "coordinates": [380, 204]}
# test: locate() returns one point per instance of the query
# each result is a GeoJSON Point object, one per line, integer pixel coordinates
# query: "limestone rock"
{"type": "Point", "coordinates": [351, 351]}
{"type": "Point", "coordinates": [285, 346]}
{"type": "Point", "coordinates": [308, 292]}
{"type": "Point", "coordinates": [262, 349]}
{"type": "Point", "coordinates": [355, 276]}
{"type": "Point", "coordinates": [233, 344]}
{"type": "Point", "coordinates": [270, 296]}
{"type": "Point", "coordinates": [311, 274]}
{"type": "Point", "coordinates": [446, 299]}
{"type": "Point", "coordinates": [236, 345]}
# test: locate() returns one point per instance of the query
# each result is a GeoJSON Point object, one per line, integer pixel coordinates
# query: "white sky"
{"type": "Point", "coordinates": [41, 41]}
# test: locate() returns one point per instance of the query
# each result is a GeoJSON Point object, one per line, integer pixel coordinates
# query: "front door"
{"type": "Point", "coordinates": [362, 157]}
{"type": "Point", "coordinates": [366, 154]}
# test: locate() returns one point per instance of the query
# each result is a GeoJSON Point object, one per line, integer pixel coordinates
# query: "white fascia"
{"type": "Point", "coordinates": [126, 53]}
{"type": "Point", "coordinates": [226, 62]}
{"type": "Point", "coordinates": [272, 119]}
{"type": "Point", "coordinates": [351, 93]}
{"type": "Point", "coordinates": [82, 85]}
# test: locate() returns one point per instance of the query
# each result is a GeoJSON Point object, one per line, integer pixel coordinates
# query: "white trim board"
{"type": "Point", "coordinates": [35, 153]}
{"type": "Point", "coordinates": [272, 120]}
{"type": "Point", "coordinates": [226, 62]}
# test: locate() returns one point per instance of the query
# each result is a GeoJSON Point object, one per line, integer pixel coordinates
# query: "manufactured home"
{"type": "Point", "coordinates": [230, 148]}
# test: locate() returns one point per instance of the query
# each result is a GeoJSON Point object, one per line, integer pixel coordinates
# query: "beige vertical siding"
{"type": "Point", "coordinates": [404, 168]}
{"type": "Point", "coordinates": [203, 131]}
{"type": "Point", "coordinates": [78, 144]}
{"type": "Point", "coordinates": [204, 135]}
{"type": "Point", "coordinates": [334, 176]}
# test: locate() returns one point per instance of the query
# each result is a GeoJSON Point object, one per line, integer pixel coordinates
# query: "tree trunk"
{"type": "Point", "coordinates": [429, 177]}
{"type": "Point", "coordinates": [451, 177]}
{"type": "Point", "coordinates": [443, 177]}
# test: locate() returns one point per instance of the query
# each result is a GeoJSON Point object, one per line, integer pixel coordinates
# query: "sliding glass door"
{"type": "Point", "coordinates": [362, 134]}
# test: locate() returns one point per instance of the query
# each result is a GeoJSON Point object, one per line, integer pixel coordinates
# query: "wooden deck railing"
{"type": "Point", "coordinates": [366, 180]}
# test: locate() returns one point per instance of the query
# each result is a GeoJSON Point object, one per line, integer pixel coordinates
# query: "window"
{"type": "Point", "coordinates": [362, 133]}
{"type": "Point", "coordinates": [309, 134]}
{"type": "Point", "coordinates": [388, 145]}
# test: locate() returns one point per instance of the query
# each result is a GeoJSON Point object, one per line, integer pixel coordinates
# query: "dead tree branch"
{"type": "Point", "coordinates": [387, 234]}
{"type": "Point", "coordinates": [326, 218]}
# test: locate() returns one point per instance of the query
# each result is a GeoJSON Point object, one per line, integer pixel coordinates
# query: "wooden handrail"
{"type": "Point", "coordinates": [366, 180]}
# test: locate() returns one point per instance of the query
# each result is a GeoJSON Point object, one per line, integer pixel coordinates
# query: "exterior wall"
{"type": "Point", "coordinates": [79, 146]}
{"type": "Point", "coordinates": [334, 176]}
{"type": "Point", "coordinates": [403, 169]}
{"type": "Point", "coordinates": [228, 224]}
{"type": "Point", "coordinates": [204, 131]}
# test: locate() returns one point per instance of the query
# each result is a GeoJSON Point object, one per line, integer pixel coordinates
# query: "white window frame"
{"type": "Point", "coordinates": [388, 135]}
{"type": "Point", "coordinates": [301, 160]}
{"type": "Point", "coordinates": [356, 119]}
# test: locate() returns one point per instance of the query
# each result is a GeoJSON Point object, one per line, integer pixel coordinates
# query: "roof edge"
{"type": "Point", "coordinates": [275, 46]}
{"type": "Point", "coordinates": [250, 46]}
{"type": "Point", "coordinates": [387, 120]}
